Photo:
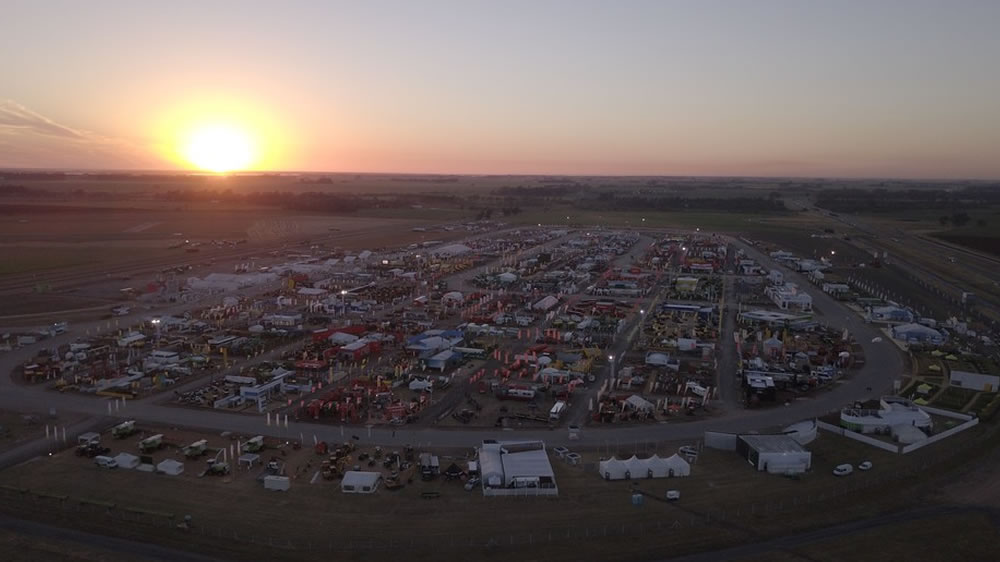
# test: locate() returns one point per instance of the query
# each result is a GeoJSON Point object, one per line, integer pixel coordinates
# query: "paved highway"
{"type": "Point", "coordinates": [883, 364]}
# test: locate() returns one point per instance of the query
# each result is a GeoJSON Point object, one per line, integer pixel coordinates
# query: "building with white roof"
{"type": "Point", "coordinates": [776, 454]}
{"type": "Point", "coordinates": [789, 297]}
{"type": "Point", "coordinates": [451, 250]}
{"type": "Point", "coordinates": [893, 411]}
{"type": "Point", "coordinates": [917, 333]}
{"type": "Point", "coordinates": [510, 468]}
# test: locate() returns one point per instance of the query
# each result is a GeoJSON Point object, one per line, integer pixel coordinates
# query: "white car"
{"type": "Point", "coordinates": [673, 495]}
{"type": "Point", "coordinates": [877, 340]}
{"type": "Point", "coordinates": [843, 470]}
{"type": "Point", "coordinates": [867, 465]}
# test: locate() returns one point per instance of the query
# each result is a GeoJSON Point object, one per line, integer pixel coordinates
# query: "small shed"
{"type": "Point", "coordinates": [170, 467]}
{"type": "Point", "coordinates": [127, 460]}
{"type": "Point", "coordinates": [278, 483]}
{"type": "Point", "coordinates": [358, 482]}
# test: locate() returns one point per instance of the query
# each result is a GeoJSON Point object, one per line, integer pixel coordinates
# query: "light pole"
{"type": "Point", "coordinates": [156, 324]}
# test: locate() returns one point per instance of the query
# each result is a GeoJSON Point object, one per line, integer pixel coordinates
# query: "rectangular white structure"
{"type": "Point", "coordinates": [510, 468]}
{"type": "Point", "coordinates": [357, 482]}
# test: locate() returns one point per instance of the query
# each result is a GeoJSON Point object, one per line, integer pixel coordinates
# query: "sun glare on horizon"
{"type": "Point", "coordinates": [219, 148]}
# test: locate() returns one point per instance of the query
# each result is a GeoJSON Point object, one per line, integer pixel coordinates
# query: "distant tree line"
{"type": "Point", "coordinates": [544, 192]}
{"type": "Point", "coordinates": [610, 201]}
{"type": "Point", "coordinates": [883, 200]}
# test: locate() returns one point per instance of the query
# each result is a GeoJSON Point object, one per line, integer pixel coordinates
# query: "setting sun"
{"type": "Point", "coordinates": [219, 148]}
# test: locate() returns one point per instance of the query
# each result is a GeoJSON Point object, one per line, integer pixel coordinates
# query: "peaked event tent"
{"type": "Point", "coordinates": [613, 469]}
{"type": "Point", "coordinates": [653, 467]}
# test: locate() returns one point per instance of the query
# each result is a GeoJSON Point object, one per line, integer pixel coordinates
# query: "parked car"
{"type": "Point", "coordinates": [105, 462]}
{"type": "Point", "coordinates": [843, 470]}
{"type": "Point", "coordinates": [471, 484]}
{"type": "Point", "coordinates": [867, 465]}
{"type": "Point", "coordinates": [673, 495]}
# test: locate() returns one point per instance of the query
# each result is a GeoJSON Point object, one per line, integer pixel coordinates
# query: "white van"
{"type": "Point", "coordinates": [105, 462]}
{"type": "Point", "coordinates": [557, 411]}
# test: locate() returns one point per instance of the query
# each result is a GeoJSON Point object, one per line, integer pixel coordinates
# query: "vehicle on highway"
{"type": "Point", "coordinates": [877, 340]}
{"type": "Point", "coordinates": [673, 495]}
{"type": "Point", "coordinates": [866, 465]}
{"type": "Point", "coordinates": [843, 470]}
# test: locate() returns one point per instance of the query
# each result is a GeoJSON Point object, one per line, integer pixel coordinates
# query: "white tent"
{"type": "Point", "coordinates": [451, 250]}
{"type": "Point", "coordinates": [673, 465]}
{"type": "Point", "coordinates": [357, 482]}
{"type": "Point", "coordinates": [341, 338]}
{"type": "Point", "coordinates": [639, 403]}
{"type": "Point", "coordinates": [636, 467]}
{"type": "Point", "coordinates": [507, 277]}
{"type": "Point", "coordinates": [546, 303]}
{"type": "Point", "coordinates": [126, 460]}
{"type": "Point", "coordinates": [453, 296]}
{"type": "Point", "coordinates": [658, 359]}
{"type": "Point", "coordinates": [613, 469]}
{"type": "Point", "coordinates": [170, 467]}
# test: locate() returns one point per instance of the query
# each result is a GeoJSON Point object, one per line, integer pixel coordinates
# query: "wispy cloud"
{"type": "Point", "coordinates": [30, 139]}
{"type": "Point", "coordinates": [15, 116]}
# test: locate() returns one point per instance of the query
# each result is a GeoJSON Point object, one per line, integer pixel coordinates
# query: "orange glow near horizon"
{"type": "Point", "coordinates": [219, 135]}
{"type": "Point", "coordinates": [219, 148]}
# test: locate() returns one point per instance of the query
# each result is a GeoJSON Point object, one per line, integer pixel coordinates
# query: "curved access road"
{"type": "Point", "coordinates": [883, 364]}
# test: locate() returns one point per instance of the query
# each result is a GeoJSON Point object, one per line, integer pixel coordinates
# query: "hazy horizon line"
{"type": "Point", "coordinates": [140, 171]}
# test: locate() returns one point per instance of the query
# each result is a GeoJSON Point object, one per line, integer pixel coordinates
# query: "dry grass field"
{"type": "Point", "coordinates": [723, 502]}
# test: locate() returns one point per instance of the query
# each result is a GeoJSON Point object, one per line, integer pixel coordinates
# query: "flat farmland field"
{"type": "Point", "coordinates": [130, 225]}
{"type": "Point", "coordinates": [724, 502]}
{"type": "Point", "coordinates": [711, 222]}
{"type": "Point", "coordinates": [41, 258]}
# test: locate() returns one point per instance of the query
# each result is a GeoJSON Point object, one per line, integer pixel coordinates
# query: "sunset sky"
{"type": "Point", "coordinates": [905, 88]}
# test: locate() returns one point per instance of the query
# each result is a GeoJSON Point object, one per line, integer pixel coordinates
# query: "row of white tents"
{"type": "Point", "coordinates": [653, 467]}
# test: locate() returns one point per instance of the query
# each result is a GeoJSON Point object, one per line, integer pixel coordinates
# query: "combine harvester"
{"type": "Point", "coordinates": [215, 466]}
{"type": "Point", "coordinates": [151, 443]}
{"type": "Point", "coordinates": [123, 430]}
{"type": "Point", "coordinates": [196, 449]}
{"type": "Point", "coordinates": [253, 445]}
